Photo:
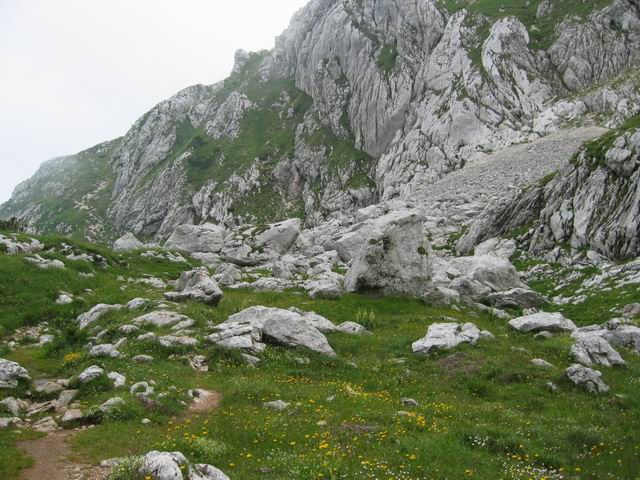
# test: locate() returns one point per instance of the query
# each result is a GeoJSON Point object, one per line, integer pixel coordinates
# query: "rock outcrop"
{"type": "Point", "coordinates": [364, 100]}
{"type": "Point", "coordinates": [393, 259]}
{"type": "Point", "coordinates": [592, 203]}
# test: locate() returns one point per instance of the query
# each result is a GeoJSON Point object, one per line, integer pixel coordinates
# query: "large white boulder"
{"type": "Point", "coordinates": [395, 259]}
{"type": "Point", "coordinates": [160, 319]}
{"type": "Point", "coordinates": [127, 243]}
{"type": "Point", "coordinates": [11, 373]}
{"type": "Point", "coordinates": [205, 238]}
{"type": "Point", "coordinates": [175, 466]}
{"type": "Point", "coordinates": [586, 378]}
{"type": "Point", "coordinates": [196, 285]}
{"type": "Point", "coordinates": [543, 322]}
{"type": "Point", "coordinates": [96, 312]}
{"type": "Point", "coordinates": [279, 237]}
{"type": "Point", "coordinates": [445, 336]}
{"type": "Point", "coordinates": [291, 328]}
{"type": "Point", "coordinates": [591, 348]}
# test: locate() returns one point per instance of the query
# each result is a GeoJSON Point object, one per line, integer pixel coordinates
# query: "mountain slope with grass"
{"type": "Point", "coordinates": [375, 410]}
{"type": "Point", "coordinates": [359, 101]}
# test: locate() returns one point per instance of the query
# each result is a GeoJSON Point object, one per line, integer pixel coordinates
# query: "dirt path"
{"type": "Point", "coordinates": [51, 461]}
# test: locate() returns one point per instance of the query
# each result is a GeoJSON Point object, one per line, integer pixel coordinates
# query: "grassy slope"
{"type": "Point", "coordinates": [484, 411]}
{"type": "Point", "coordinates": [77, 177]}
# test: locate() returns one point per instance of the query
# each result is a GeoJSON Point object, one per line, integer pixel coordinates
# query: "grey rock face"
{"type": "Point", "coordinates": [542, 322]}
{"type": "Point", "coordinates": [592, 202]}
{"type": "Point", "coordinates": [249, 328]}
{"type": "Point", "coordinates": [516, 298]}
{"type": "Point", "coordinates": [394, 259]}
{"type": "Point", "coordinates": [445, 336]}
{"type": "Point", "coordinates": [160, 319]}
{"type": "Point", "coordinates": [127, 243]}
{"type": "Point", "coordinates": [586, 378]}
{"type": "Point", "coordinates": [11, 373]}
{"type": "Point", "coordinates": [12, 246]}
{"type": "Point", "coordinates": [174, 466]}
{"type": "Point", "coordinates": [90, 374]}
{"type": "Point", "coordinates": [206, 238]}
{"type": "Point", "coordinates": [294, 332]}
{"type": "Point", "coordinates": [96, 312]}
{"type": "Point", "coordinates": [592, 349]}
{"type": "Point", "coordinates": [196, 285]}
{"type": "Point", "coordinates": [105, 350]}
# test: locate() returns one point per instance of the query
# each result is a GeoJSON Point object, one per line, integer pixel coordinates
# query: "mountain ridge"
{"type": "Point", "coordinates": [359, 101]}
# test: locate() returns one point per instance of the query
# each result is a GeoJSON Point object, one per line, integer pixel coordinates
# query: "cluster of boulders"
{"type": "Point", "coordinates": [157, 465]}
{"type": "Point", "coordinates": [14, 244]}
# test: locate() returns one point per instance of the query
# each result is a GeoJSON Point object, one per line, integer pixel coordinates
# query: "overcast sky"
{"type": "Point", "coordinates": [74, 73]}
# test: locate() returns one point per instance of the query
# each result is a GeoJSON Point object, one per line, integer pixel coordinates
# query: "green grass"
{"type": "Point", "coordinates": [484, 411]}
{"type": "Point", "coordinates": [387, 58]}
{"type": "Point", "coordinates": [12, 458]}
{"type": "Point", "coordinates": [542, 32]}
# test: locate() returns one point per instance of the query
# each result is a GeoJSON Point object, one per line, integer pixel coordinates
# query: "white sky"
{"type": "Point", "coordinates": [74, 73]}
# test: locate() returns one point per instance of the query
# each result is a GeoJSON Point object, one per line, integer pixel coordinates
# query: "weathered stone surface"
{"type": "Point", "coordinates": [105, 350]}
{"type": "Point", "coordinates": [196, 285]}
{"type": "Point", "coordinates": [205, 238]}
{"type": "Point", "coordinates": [586, 378]}
{"type": "Point", "coordinates": [293, 331]}
{"type": "Point", "coordinates": [444, 336]}
{"type": "Point", "coordinates": [516, 298]}
{"type": "Point", "coordinates": [160, 319]}
{"type": "Point", "coordinates": [127, 243]}
{"type": "Point", "coordinates": [90, 374]}
{"type": "Point", "coordinates": [174, 466]}
{"type": "Point", "coordinates": [395, 258]}
{"type": "Point", "coordinates": [543, 322]}
{"type": "Point", "coordinates": [590, 348]}
{"type": "Point", "coordinates": [93, 315]}
{"type": "Point", "coordinates": [11, 373]}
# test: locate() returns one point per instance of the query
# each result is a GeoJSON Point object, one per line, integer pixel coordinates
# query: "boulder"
{"type": "Point", "coordinates": [137, 304]}
{"type": "Point", "coordinates": [543, 322]}
{"type": "Point", "coordinates": [516, 298]}
{"type": "Point", "coordinates": [205, 238]}
{"type": "Point", "coordinates": [395, 258]}
{"type": "Point", "coordinates": [352, 328]}
{"type": "Point", "coordinates": [586, 378]}
{"type": "Point", "coordinates": [160, 319]}
{"type": "Point", "coordinates": [539, 362]}
{"type": "Point", "coordinates": [293, 331]}
{"type": "Point", "coordinates": [127, 243]}
{"type": "Point", "coordinates": [627, 336]}
{"type": "Point", "coordinates": [12, 246]}
{"type": "Point", "coordinates": [169, 341]}
{"type": "Point", "coordinates": [279, 237]}
{"type": "Point", "coordinates": [90, 374]}
{"type": "Point", "coordinates": [45, 263]}
{"type": "Point", "coordinates": [591, 348]}
{"type": "Point", "coordinates": [495, 273]}
{"type": "Point", "coordinates": [106, 350]}
{"type": "Point", "coordinates": [196, 285]}
{"type": "Point", "coordinates": [445, 336]}
{"type": "Point", "coordinates": [117, 380]}
{"type": "Point", "coordinates": [46, 387]}
{"type": "Point", "coordinates": [71, 416]}
{"type": "Point", "coordinates": [11, 373]}
{"type": "Point", "coordinates": [111, 404]}
{"type": "Point", "coordinates": [632, 310]}
{"type": "Point", "coordinates": [10, 405]}
{"type": "Point", "coordinates": [324, 289]}
{"type": "Point", "coordinates": [93, 315]}
{"type": "Point", "coordinates": [174, 466]}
